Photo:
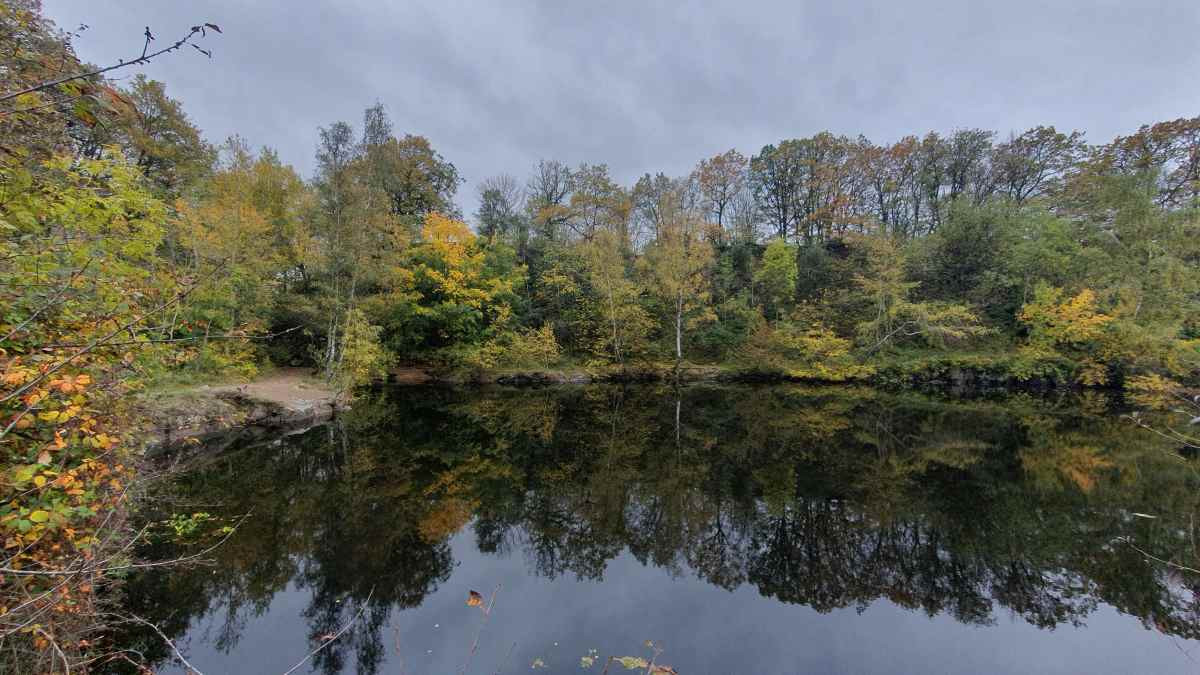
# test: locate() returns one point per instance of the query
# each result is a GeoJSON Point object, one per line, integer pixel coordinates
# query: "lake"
{"type": "Point", "coordinates": [772, 529]}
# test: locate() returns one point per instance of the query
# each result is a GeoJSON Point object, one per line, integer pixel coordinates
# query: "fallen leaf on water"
{"type": "Point", "coordinates": [474, 599]}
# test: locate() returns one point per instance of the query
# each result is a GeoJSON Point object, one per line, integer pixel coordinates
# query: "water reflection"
{"type": "Point", "coordinates": [826, 498]}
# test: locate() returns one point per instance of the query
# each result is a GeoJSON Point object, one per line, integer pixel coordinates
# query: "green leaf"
{"type": "Point", "coordinates": [24, 474]}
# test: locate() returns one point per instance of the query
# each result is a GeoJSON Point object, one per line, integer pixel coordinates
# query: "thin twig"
{"type": "Point", "coordinates": [223, 336]}
{"type": "Point", "coordinates": [506, 657]}
{"type": "Point", "coordinates": [399, 652]}
{"type": "Point", "coordinates": [487, 613]}
{"type": "Point", "coordinates": [58, 650]}
{"type": "Point", "coordinates": [336, 635]}
{"type": "Point", "coordinates": [1155, 558]}
{"type": "Point", "coordinates": [170, 644]}
{"type": "Point", "coordinates": [141, 60]}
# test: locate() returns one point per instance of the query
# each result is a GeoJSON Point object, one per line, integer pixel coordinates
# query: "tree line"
{"type": "Point", "coordinates": [824, 257]}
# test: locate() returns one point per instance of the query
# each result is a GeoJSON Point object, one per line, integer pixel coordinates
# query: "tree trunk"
{"type": "Point", "coordinates": [612, 313]}
{"type": "Point", "coordinates": [678, 332]}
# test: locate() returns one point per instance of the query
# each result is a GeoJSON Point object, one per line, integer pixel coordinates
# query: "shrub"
{"type": "Point", "coordinates": [530, 348]}
{"type": "Point", "coordinates": [810, 351]}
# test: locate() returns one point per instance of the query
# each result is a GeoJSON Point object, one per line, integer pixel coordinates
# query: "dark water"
{"type": "Point", "coordinates": [745, 530]}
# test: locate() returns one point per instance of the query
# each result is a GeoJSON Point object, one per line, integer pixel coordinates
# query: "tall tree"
{"type": "Point", "coordinates": [548, 193]}
{"type": "Point", "coordinates": [1031, 163]}
{"type": "Point", "coordinates": [720, 179]}
{"type": "Point", "coordinates": [626, 323]}
{"type": "Point", "coordinates": [676, 263]}
{"type": "Point", "coordinates": [501, 211]}
{"type": "Point", "coordinates": [648, 196]}
{"type": "Point", "coordinates": [161, 139]}
{"type": "Point", "coordinates": [775, 179]}
{"type": "Point", "coordinates": [968, 164]}
{"type": "Point", "coordinates": [340, 200]}
{"type": "Point", "coordinates": [598, 203]}
{"type": "Point", "coordinates": [1170, 149]}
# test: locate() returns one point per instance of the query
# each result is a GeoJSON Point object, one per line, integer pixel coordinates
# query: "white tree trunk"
{"type": "Point", "coordinates": [678, 330]}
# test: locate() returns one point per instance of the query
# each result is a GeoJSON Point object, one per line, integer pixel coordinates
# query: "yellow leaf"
{"type": "Point", "coordinates": [39, 480]}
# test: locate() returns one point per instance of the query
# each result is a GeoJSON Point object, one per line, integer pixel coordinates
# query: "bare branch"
{"type": "Point", "coordinates": [178, 654]}
{"type": "Point", "coordinates": [335, 636]}
{"type": "Point", "coordinates": [140, 60]}
{"type": "Point", "coordinates": [223, 336]}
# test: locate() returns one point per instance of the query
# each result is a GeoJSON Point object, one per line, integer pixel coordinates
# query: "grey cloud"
{"type": "Point", "coordinates": [656, 86]}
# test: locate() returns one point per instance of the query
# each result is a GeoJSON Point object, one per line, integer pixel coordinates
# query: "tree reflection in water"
{"type": "Point", "coordinates": [828, 498]}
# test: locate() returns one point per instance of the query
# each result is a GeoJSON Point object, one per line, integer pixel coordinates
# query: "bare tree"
{"type": "Point", "coordinates": [546, 197]}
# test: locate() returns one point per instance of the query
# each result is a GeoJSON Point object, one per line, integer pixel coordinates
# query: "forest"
{"type": "Point", "coordinates": [135, 252]}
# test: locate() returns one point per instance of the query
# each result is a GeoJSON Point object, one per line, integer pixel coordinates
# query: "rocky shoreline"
{"type": "Point", "coordinates": [286, 400]}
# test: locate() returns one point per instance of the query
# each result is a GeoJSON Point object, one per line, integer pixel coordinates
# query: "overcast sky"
{"type": "Point", "coordinates": [655, 86]}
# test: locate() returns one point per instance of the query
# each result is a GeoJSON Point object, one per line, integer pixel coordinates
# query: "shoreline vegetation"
{"type": "Point", "coordinates": [138, 258]}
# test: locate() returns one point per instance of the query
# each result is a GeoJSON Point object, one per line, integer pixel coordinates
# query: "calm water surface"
{"type": "Point", "coordinates": [744, 530]}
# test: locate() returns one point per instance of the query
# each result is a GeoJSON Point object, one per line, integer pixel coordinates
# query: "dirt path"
{"type": "Point", "coordinates": [290, 388]}
{"type": "Point", "coordinates": [285, 398]}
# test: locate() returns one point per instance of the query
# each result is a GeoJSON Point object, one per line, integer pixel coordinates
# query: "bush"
{"type": "Point", "coordinates": [530, 348]}
{"type": "Point", "coordinates": [803, 350]}
{"type": "Point", "coordinates": [363, 357]}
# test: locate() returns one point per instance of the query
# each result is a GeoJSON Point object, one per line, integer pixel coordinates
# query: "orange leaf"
{"type": "Point", "coordinates": [474, 599]}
